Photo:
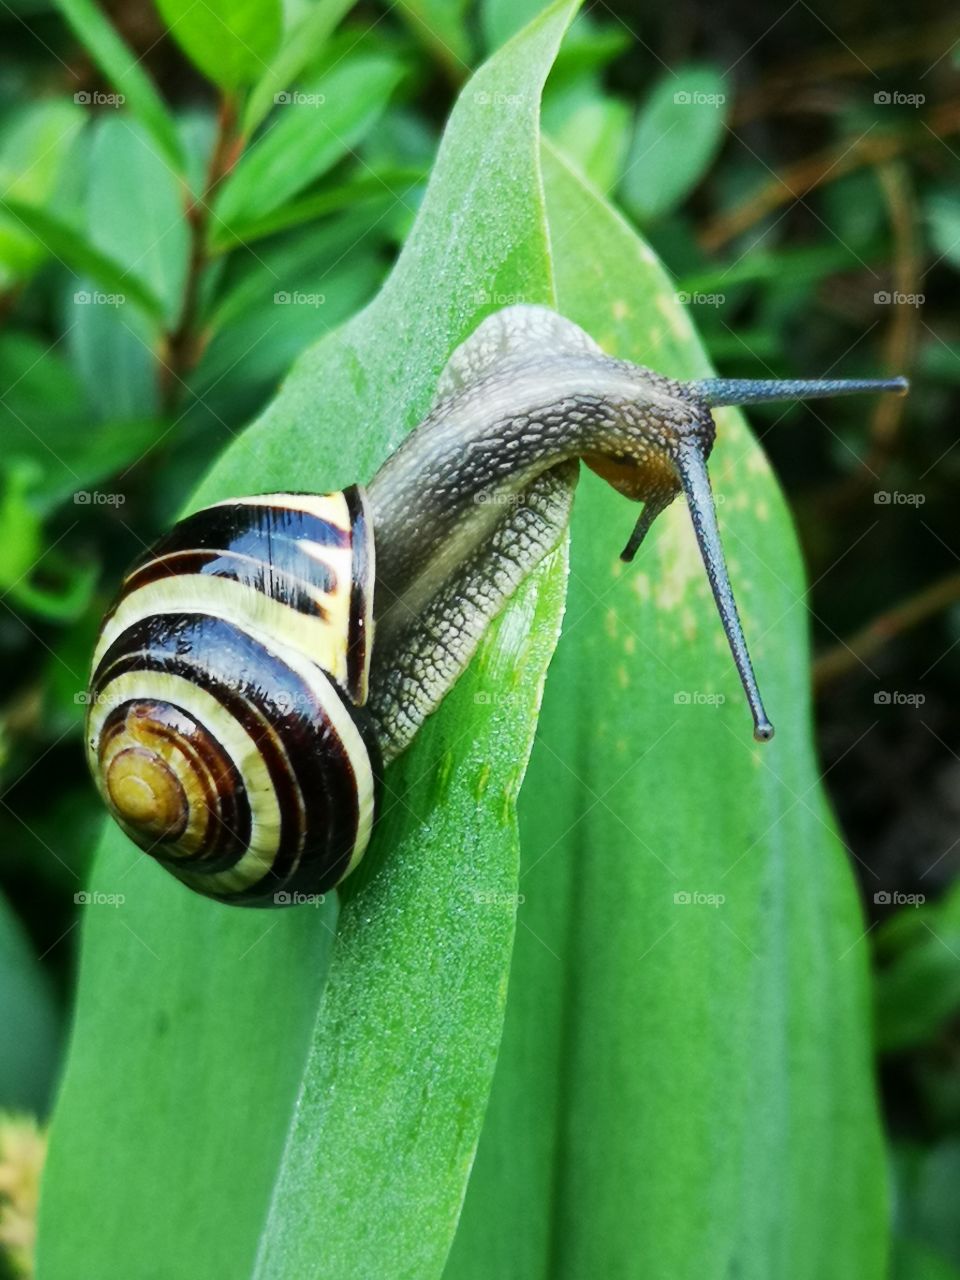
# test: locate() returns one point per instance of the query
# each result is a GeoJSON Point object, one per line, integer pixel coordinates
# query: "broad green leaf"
{"type": "Point", "coordinates": [35, 146]}
{"type": "Point", "coordinates": [122, 68]}
{"type": "Point", "coordinates": [685, 1084]}
{"type": "Point", "coordinates": [198, 1019]}
{"type": "Point", "coordinates": [231, 41]}
{"type": "Point", "coordinates": [314, 126]}
{"type": "Point", "coordinates": [28, 1059]}
{"type": "Point", "coordinates": [135, 211]}
{"type": "Point", "coordinates": [302, 44]}
{"type": "Point", "coordinates": [679, 130]}
{"type": "Point", "coordinates": [72, 248]}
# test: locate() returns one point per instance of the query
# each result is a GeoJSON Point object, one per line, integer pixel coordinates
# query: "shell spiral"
{"type": "Point", "coordinates": [226, 727]}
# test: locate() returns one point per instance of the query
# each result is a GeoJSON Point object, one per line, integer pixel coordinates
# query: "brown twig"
{"type": "Point", "coordinates": [797, 180]}
{"type": "Point", "coordinates": [891, 49]}
{"type": "Point", "coordinates": [184, 345]}
{"type": "Point", "coordinates": [843, 658]}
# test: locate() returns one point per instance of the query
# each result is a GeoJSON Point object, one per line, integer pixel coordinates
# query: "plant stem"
{"type": "Point", "coordinates": [184, 344]}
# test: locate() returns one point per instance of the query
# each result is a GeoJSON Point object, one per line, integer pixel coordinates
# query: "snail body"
{"type": "Point", "coordinates": [266, 657]}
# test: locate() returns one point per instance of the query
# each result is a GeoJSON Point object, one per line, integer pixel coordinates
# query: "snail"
{"type": "Point", "coordinates": [268, 656]}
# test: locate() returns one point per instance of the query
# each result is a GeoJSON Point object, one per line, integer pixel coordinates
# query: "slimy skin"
{"type": "Point", "coordinates": [268, 656]}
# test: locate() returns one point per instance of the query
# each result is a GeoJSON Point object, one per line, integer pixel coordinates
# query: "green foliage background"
{"type": "Point", "coordinates": [218, 215]}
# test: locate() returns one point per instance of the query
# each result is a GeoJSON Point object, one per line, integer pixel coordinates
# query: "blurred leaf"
{"type": "Point", "coordinates": [943, 217]}
{"type": "Point", "coordinates": [231, 41]}
{"type": "Point", "coordinates": [696, 1112]}
{"type": "Point", "coordinates": [806, 264]}
{"type": "Point", "coordinates": [591, 128]}
{"type": "Point", "coordinates": [679, 131]}
{"type": "Point", "coordinates": [34, 147]}
{"type": "Point", "coordinates": [45, 422]}
{"type": "Point", "coordinates": [135, 212]}
{"type": "Point", "coordinates": [66, 588]}
{"type": "Point", "coordinates": [441, 25]}
{"type": "Point", "coordinates": [250, 355]}
{"type": "Point", "coordinates": [362, 1099]}
{"type": "Point", "coordinates": [302, 44]}
{"type": "Point", "coordinates": [314, 128]}
{"type": "Point", "coordinates": [123, 69]}
{"type": "Point", "coordinates": [114, 352]}
{"type": "Point", "coordinates": [502, 19]}
{"type": "Point", "coordinates": [913, 1261]}
{"type": "Point", "coordinates": [926, 1207]}
{"type": "Point", "coordinates": [30, 1048]}
{"type": "Point", "coordinates": [371, 189]}
{"type": "Point", "coordinates": [918, 988]}
{"type": "Point", "coordinates": [76, 253]}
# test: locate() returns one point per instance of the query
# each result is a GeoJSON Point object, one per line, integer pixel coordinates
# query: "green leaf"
{"type": "Point", "coordinates": [122, 68]}
{"type": "Point", "coordinates": [135, 211]}
{"type": "Point", "coordinates": [502, 19]}
{"type": "Point", "coordinates": [441, 26]}
{"type": "Point", "coordinates": [35, 147]}
{"type": "Point", "coordinates": [198, 1019]}
{"type": "Point", "coordinates": [28, 1062]}
{"type": "Point", "coordinates": [917, 985]}
{"type": "Point", "coordinates": [303, 44]}
{"type": "Point", "coordinates": [314, 127]}
{"type": "Point", "coordinates": [591, 128]}
{"type": "Point", "coordinates": [46, 424]}
{"type": "Point", "coordinates": [76, 253]}
{"type": "Point", "coordinates": [679, 131]}
{"type": "Point", "coordinates": [231, 41]}
{"type": "Point", "coordinates": [701, 1069]}
{"type": "Point", "coordinates": [371, 190]}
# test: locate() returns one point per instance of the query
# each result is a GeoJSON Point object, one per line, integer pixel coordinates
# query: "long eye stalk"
{"type": "Point", "coordinates": [718, 392]}
{"type": "Point", "coordinates": [696, 487]}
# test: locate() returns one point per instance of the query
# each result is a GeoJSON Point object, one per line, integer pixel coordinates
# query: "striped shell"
{"type": "Point", "coordinates": [225, 727]}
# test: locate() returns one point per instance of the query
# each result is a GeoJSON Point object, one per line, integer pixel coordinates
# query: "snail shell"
{"type": "Point", "coordinates": [226, 727]}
